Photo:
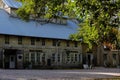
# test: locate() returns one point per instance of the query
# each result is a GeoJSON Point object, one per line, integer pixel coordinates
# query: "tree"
{"type": "Point", "coordinates": [101, 17]}
{"type": "Point", "coordinates": [44, 8]}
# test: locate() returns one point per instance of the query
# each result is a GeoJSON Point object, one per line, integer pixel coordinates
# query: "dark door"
{"type": "Point", "coordinates": [49, 62]}
{"type": "Point", "coordinates": [89, 60]}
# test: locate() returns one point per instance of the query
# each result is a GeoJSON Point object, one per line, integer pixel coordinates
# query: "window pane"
{"type": "Point", "coordinates": [38, 57]}
{"type": "Point", "coordinates": [26, 56]}
{"type": "Point", "coordinates": [54, 42]}
{"type": "Point", "coordinates": [68, 57]}
{"type": "Point", "coordinates": [53, 57]}
{"type": "Point", "coordinates": [75, 57]}
{"type": "Point", "coordinates": [58, 57]}
{"type": "Point", "coordinates": [67, 44]}
{"type": "Point", "coordinates": [43, 58]}
{"type": "Point", "coordinates": [105, 56]}
{"type": "Point", "coordinates": [79, 57]}
{"type": "Point", "coordinates": [19, 40]}
{"type": "Point", "coordinates": [43, 42]}
{"type": "Point", "coordinates": [33, 57]}
{"type": "Point", "coordinates": [114, 56]}
{"type": "Point", "coordinates": [32, 41]}
{"type": "Point", "coordinates": [6, 39]}
{"type": "Point", "coordinates": [76, 44]}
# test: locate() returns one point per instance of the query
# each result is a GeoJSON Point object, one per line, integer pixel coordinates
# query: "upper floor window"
{"type": "Point", "coordinates": [7, 40]}
{"type": "Point", "coordinates": [56, 43]}
{"type": "Point", "coordinates": [32, 41]}
{"type": "Point", "coordinates": [76, 44]}
{"type": "Point", "coordinates": [19, 40]}
{"type": "Point", "coordinates": [67, 43]}
{"type": "Point", "coordinates": [43, 42]}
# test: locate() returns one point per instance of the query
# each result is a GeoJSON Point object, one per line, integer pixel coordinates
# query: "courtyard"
{"type": "Point", "coordinates": [75, 74]}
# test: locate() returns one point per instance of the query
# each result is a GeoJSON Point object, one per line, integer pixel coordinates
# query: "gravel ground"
{"type": "Point", "coordinates": [80, 74]}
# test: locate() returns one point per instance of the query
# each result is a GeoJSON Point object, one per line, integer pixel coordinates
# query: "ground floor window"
{"type": "Point", "coordinates": [32, 57]}
{"type": "Point", "coordinates": [53, 57]}
{"type": "Point", "coordinates": [26, 55]}
{"type": "Point", "coordinates": [39, 58]}
{"type": "Point", "coordinates": [114, 56]}
{"type": "Point", "coordinates": [58, 57]}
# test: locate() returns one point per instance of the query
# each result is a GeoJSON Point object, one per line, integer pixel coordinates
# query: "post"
{"type": "Point", "coordinates": [3, 59]}
{"type": "Point", "coordinates": [57, 52]}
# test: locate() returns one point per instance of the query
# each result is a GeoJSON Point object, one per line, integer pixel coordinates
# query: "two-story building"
{"type": "Point", "coordinates": [37, 45]}
{"type": "Point", "coordinates": [31, 44]}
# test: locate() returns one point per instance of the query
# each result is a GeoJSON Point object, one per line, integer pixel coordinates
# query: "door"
{"type": "Point", "coordinates": [48, 62]}
{"type": "Point", "coordinates": [90, 59]}
{"type": "Point", "coordinates": [12, 61]}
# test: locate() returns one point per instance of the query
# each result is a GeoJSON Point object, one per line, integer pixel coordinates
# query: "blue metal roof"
{"type": "Point", "coordinates": [12, 3]}
{"type": "Point", "coordinates": [15, 26]}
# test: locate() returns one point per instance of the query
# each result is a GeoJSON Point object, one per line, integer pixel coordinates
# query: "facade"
{"type": "Point", "coordinates": [32, 45]}
{"type": "Point", "coordinates": [101, 56]}
{"type": "Point", "coordinates": [108, 57]}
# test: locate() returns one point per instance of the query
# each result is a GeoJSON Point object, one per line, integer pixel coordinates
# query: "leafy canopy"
{"type": "Point", "coordinates": [101, 17]}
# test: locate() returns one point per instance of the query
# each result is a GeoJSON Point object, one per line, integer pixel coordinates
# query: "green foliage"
{"type": "Point", "coordinates": [100, 17]}
{"type": "Point", "coordinates": [88, 34]}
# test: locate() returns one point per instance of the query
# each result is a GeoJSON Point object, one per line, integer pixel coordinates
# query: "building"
{"type": "Point", "coordinates": [32, 45]}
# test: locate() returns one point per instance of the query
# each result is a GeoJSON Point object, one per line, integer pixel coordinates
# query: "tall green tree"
{"type": "Point", "coordinates": [44, 8]}
{"type": "Point", "coordinates": [101, 15]}
{"type": "Point", "coordinates": [101, 18]}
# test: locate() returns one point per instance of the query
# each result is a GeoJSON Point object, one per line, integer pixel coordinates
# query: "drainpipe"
{"type": "Point", "coordinates": [57, 46]}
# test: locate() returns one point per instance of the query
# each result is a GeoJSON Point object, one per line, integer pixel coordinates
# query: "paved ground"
{"type": "Point", "coordinates": [81, 74]}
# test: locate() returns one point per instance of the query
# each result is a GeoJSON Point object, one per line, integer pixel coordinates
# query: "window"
{"type": "Point", "coordinates": [58, 57]}
{"type": "Point", "coordinates": [38, 57]}
{"type": "Point", "coordinates": [75, 57]}
{"type": "Point", "coordinates": [53, 57]}
{"type": "Point", "coordinates": [32, 41]}
{"type": "Point", "coordinates": [76, 44]}
{"type": "Point", "coordinates": [114, 56]}
{"type": "Point", "coordinates": [105, 56]}
{"type": "Point", "coordinates": [43, 42]}
{"type": "Point", "coordinates": [68, 57]}
{"type": "Point", "coordinates": [56, 43]}
{"type": "Point", "coordinates": [19, 40]}
{"type": "Point", "coordinates": [79, 57]}
{"type": "Point", "coordinates": [33, 57]}
{"type": "Point", "coordinates": [72, 59]}
{"type": "Point", "coordinates": [67, 43]}
{"type": "Point", "coordinates": [43, 58]}
{"type": "Point", "coordinates": [26, 56]}
{"type": "Point", "coordinates": [7, 40]}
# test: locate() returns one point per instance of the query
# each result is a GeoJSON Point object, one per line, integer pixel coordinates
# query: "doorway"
{"type": "Point", "coordinates": [89, 59]}
{"type": "Point", "coordinates": [12, 62]}
{"type": "Point", "coordinates": [10, 58]}
{"type": "Point", "coordinates": [48, 62]}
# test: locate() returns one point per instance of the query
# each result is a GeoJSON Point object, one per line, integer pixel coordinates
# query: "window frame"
{"type": "Point", "coordinates": [7, 39]}
{"type": "Point", "coordinates": [20, 40]}
{"type": "Point", "coordinates": [32, 41]}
